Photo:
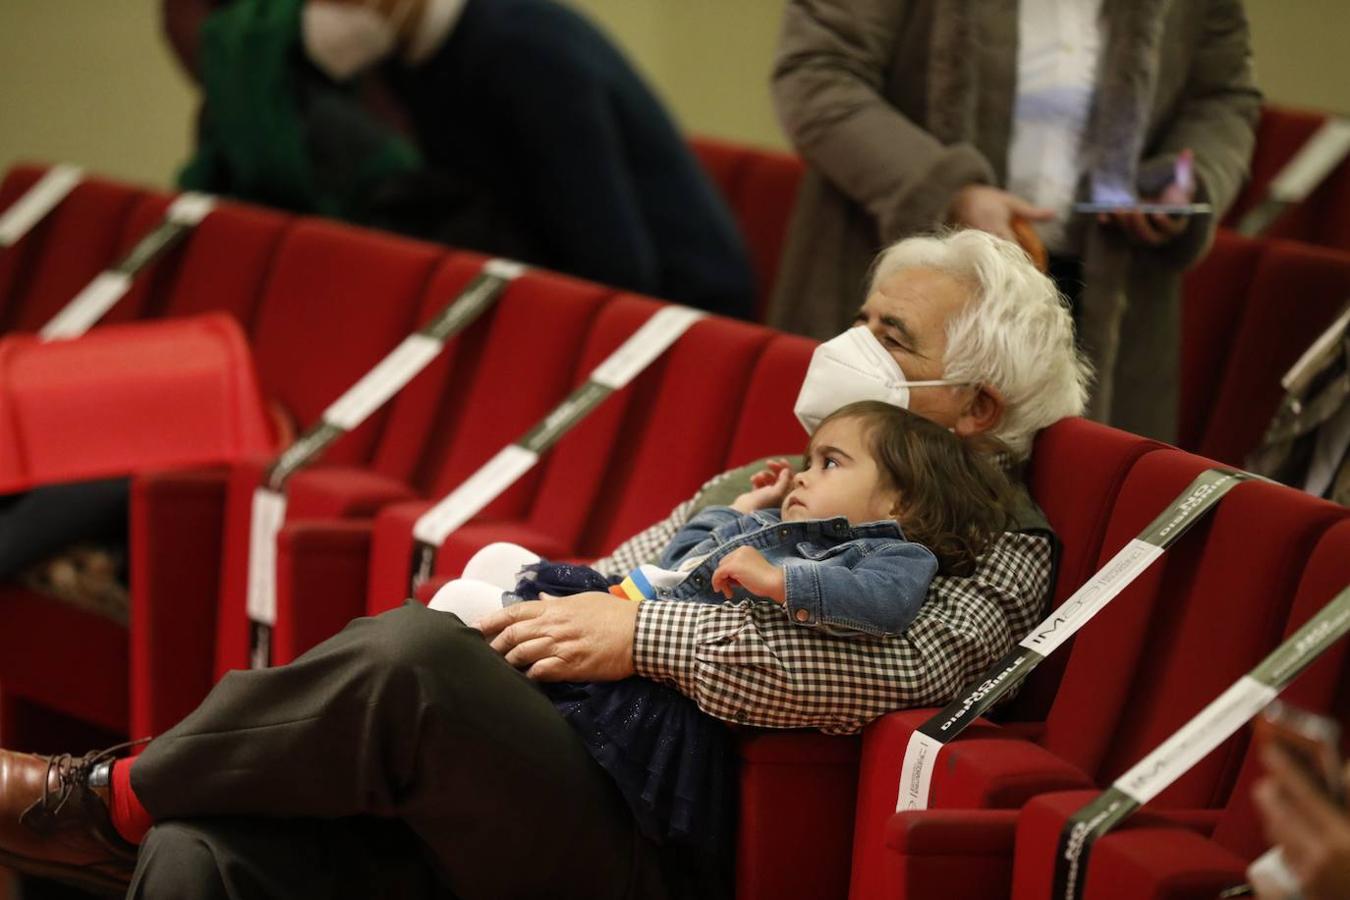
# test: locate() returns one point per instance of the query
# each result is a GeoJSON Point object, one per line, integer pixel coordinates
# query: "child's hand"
{"type": "Point", "coordinates": [768, 487]}
{"type": "Point", "coordinates": [747, 567]}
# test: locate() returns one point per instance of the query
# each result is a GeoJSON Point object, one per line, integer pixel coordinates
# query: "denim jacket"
{"type": "Point", "coordinates": [841, 578]}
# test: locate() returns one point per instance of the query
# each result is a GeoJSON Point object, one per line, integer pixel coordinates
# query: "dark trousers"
{"type": "Point", "coordinates": [403, 757]}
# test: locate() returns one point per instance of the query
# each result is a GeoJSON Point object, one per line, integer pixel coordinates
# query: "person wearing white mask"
{"type": "Point", "coordinates": [511, 127]}
{"type": "Point", "coordinates": [404, 749]}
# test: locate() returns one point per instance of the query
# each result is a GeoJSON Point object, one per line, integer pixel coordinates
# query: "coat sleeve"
{"type": "Point", "coordinates": [828, 82]}
{"type": "Point", "coordinates": [1216, 119]}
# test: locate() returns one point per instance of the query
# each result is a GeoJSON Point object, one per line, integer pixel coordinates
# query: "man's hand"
{"type": "Point", "coordinates": [747, 567]}
{"type": "Point", "coordinates": [768, 487]}
{"type": "Point", "coordinates": [585, 637]}
{"type": "Point", "coordinates": [992, 210]}
{"type": "Point", "coordinates": [1156, 229]}
{"type": "Point", "coordinates": [1314, 833]}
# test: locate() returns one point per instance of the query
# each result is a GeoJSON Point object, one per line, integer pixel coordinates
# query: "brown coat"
{"type": "Point", "coordinates": [896, 105]}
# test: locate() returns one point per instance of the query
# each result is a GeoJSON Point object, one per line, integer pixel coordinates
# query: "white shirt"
{"type": "Point", "coordinates": [1058, 46]}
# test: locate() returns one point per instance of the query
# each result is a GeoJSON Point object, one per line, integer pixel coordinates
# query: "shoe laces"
{"type": "Point", "coordinates": [72, 776]}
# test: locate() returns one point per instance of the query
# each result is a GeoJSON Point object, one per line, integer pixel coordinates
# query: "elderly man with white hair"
{"type": "Point", "coordinates": [408, 754]}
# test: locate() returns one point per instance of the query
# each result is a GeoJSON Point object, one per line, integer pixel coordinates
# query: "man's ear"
{"type": "Point", "coordinates": [982, 413]}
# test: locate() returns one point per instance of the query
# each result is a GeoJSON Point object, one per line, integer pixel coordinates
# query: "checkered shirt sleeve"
{"type": "Point", "coordinates": [747, 663]}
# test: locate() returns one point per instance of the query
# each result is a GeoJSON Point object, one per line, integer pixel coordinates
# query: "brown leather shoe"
{"type": "Point", "coordinates": [54, 823]}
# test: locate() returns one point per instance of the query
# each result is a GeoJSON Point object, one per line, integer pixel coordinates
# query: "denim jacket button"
{"type": "Point", "coordinates": [783, 532]}
{"type": "Point", "coordinates": [802, 615]}
{"type": "Point", "coordinates": [698, 580]}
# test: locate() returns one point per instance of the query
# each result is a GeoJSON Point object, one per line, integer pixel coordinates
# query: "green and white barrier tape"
{"type": "Point", "coordinates": [400, 366]}
{"type": "Point", "coordinates": [916, 773]}
{"type": "Point", "coordinates": [655, 336]}
{"type": "Point", "coordinates": [1197, 738]}
{"type": "Point", "coordinates": [44, 196]}
{"type": "Point", "coordinates": [100, 295]}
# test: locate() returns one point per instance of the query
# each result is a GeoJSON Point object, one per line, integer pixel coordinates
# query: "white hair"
{"type": "Point", "coordinates": [1015, 334]}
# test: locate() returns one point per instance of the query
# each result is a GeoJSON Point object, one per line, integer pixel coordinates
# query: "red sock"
{"type": "Point", "coordinates": [129, 818]}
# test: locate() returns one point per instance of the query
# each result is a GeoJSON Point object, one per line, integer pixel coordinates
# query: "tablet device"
{"type": "Point", "coordinates": [1171, 209]}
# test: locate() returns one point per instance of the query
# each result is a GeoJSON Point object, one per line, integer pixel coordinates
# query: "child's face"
{"type": "Point", "coordinates": [841, 478]}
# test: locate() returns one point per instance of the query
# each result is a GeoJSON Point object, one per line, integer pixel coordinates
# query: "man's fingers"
{"type": "Point", "coordinates": [498, 620]}
{"type": "Point", "coordinates": [528, 652]}
{"type": "Point", "coordinates": [548, 669]}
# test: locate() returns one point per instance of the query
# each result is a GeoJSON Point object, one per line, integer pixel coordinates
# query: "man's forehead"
{"type": "Point", "coordinates": [918, 297]}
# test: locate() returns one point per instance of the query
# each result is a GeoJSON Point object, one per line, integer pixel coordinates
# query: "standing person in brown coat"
{"type": "Point", "coordinates": [915, 115]}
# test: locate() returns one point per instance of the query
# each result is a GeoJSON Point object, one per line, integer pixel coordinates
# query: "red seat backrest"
{"type": "Point", "coordinates": [77, 241]}
{"type": "Point", "coordinates": [1215, 295]}
{"type": "Point", "coordinates": [1280, 133]}
{"type": "Point", "coordinates": [1295, 294]}
{"type": "Point", "coordinates": [336, 301]}
{"type": "Point", "coordinates": [16, 183]}
{"type": "Point", "coordinates": [763, 206]}
{"type": "Point", "coordinates": [652, 444]}
{"type": "Point", "coordinates": [225, 264]}
{"type": "Point", "coordinates": [1326, 574]}
{"type": "Point", "coordinates": [435, 398]}
{"type": "Point", "coordinates": [1169, 643]}
{"type": "Point", "coordinates": [1076, 471]}
{"type": "Point", "coordinates": [767, 425]}
{"type": "Point", "coordinates": [526, 366]}
{"type": "Point", "coordinates": [760, 187]}
{"type": "Point", "coordinates": [724, 162]}
{"type": "Point", "coordinates": [677, 431]}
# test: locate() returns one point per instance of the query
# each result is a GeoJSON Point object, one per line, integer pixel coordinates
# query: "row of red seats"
{"type": "Point", "coordinates": [310, 314]}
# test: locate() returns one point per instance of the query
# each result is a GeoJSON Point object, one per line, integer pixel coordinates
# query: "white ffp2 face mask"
{"type": "Point", "coordinates": [342, 38]}
{"type": "Point", "coordinates": [852, 367]}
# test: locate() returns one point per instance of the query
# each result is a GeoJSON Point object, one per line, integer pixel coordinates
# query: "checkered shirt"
{"type": "Point", "coordinates": [747, 663]}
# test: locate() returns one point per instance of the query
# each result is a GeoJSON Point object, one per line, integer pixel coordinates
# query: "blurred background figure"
{"type": "Point", "coordinates": [507, 126]}
{"type": "Point", "coordinates": [1307, 444]}
{"type": "Point", "coordinates": [915, 115]}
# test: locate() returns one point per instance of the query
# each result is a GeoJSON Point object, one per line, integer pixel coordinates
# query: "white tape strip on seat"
{"type": "Point", "coordinates": [480, 489]}
{"type": "Point", "coordinates": [388, 377]}
{"type": "Point", "coordinates": [39, 200]}
{"type": "Point", "coordinates": [269, 514]}
{"type": "Point", "coordinates": [88, 306]}
{"type": "Point", "coordinates": [1313, 162]}
{"type": "Point", "coordinates": [921, 753]}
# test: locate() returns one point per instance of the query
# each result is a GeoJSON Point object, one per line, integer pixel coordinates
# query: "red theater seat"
{"type": "Point", "coordinates": [16, 183]}
{"type": "Point", "coordinates": [760, 186]}
{"type": "Point", "coordinates": [1077, 471]}
{"type": "Point", "coordinates": [1295, 293]}
{"type": "Point", "coordinates": [1147, 663]}
{"type": "Point", "coordinates": [1152, 857]}
{"type": "Point", "coordinates": [1215, 296]}
{"type": "Point", "coordinates": [336, 300]}
{"type": "Point", "coordinates": [78, 240]}
{"type": "Point", "coordinates": [442, 429]}
{"type": "Point", "coordinates": [1323, 217]}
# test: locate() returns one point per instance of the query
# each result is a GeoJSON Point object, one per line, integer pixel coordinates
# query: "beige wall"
{"type": "Point", "coordinates": [91, 81]}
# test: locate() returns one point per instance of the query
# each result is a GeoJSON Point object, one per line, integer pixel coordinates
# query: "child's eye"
{"type": "Point", "coordinates": [829, 463]}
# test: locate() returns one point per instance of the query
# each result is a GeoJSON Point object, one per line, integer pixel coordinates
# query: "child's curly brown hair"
{"type": "Point", "coordinates": [953, 499]}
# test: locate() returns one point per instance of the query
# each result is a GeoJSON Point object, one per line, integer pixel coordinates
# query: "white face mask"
{"type": "Point", "coordinates": [342, 39]}
{"type": "Point", "coordinates": [852, 367]}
